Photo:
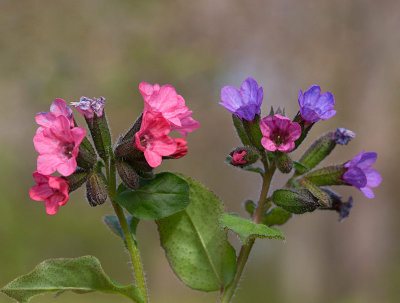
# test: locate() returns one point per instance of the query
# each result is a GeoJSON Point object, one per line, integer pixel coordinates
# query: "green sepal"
{"type": "Point", "coordinates": [241, 132]}
{"type": "Point", "coordinates": [112, 222]}
{"type": "Point", "coordinates": [127, 174]}
{"type": "Point", "coordinates": [296, 201]}
{"type": "Point", "coordinates": [276, 216]}
{"type": "Point", "coordinates": [157, 198]}
{"type": "Point", "coordinates": [101, 136]}
{"type": "Point", "coordinates": [319, 150]}
{"type": "Point", "coordinates": [247, 229]}
{"type": "Point", "coordinates": [300, 168]}
{"type": "Point", "coordinates": [253, 131]}
{"type": "Point", "coordinates": [77, 179]}
{"type": "Point", "coordinates": [87, 156]}
{"type": "Point", "coordinates": [80, 275]}
{"type": "Point", "coordinates": [283, 162]}
{"type": "Point", "coordinates": [331, 175]}
{"type": "Point", "coordinates": [96, 191]}
{"type": "Point", "coordinates": [305, 129]}
{"type": "Point", "coordinates": [322, 196]}
{"type": "Point", "coordinates": [196, 246]}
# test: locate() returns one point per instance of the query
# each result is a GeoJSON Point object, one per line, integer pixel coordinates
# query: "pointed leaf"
{"type": "Point", "coordinates": [195, 245]}
{"type": "Point", "coordinates": [81, 275]}
{"type": "Point", "coordinates": [276, 216]}
{"type": "Point", "coordinates": [245, 228]}
{"type": "Point", "coordinates": [112, 223]}
{"type": "Point", "coordinates": [157, 198]}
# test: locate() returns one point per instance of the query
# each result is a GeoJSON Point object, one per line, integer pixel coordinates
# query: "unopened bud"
{"type": "Point", "coordinates": [96, 192]}
{"type": "Point", "coordinates": [331, 175]}
{"type": "Point", "coordinates": [283, 162]}
{"type": "Point", "coordinates": [142, 168]}
{"type": "Point", "coordinates": [77, 179]}
{"type": "Point", "coordinates": [128, 174]}
{"type": "Point", "coordinates": [244, 156]}
{"type": "Point", "coordinates": [319, 150]}
{"type": "Point", "coordinates": [296, 201]}
{"type": "Point", "coordinates": [323, 198]}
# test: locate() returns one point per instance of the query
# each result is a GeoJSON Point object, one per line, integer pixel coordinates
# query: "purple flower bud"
{"type": "Point", "coordinates": [89, 107]}
{"type": "Point", "coordinates": [360, 174]}
{"type": "Point", "coordinates": [315, 106]}
{"type": "Point", "coordinates": [244, 103]}
{"type": "Point", "coordinates": [344, 136]}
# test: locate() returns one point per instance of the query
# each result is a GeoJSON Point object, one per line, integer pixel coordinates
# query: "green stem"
{"type": "Point", "coordinates": [130, 243]}
{"type": "Point", "coordinates": [246, 248]}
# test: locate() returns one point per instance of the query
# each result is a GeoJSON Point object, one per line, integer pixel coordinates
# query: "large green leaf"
{"type": "Point", "coordinates": [195, 244]}
{"type": "Point", "coordinates": [157, 198]}
{"type": "Point", "coordinates": [81, 275]}
{"type": "Point", "coordinates": [245, 228]}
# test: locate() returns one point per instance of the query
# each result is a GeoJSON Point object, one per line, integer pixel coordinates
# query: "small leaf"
{"type": "Point", "coordinates": [80, 275]}
{"type": "Point", "coordinates": [245, 228]}
{"type": "Point", "coordinates": [195, 245]}
{"type": "Point", "coordinates": [296, 201]}
{"type": "Point", "coordinates": [157, 198]}
{"type": "Point", "coordinates": [250, 207]}
{"type": "Point", "coordinates": [112, 223]}
{"type": "Point", "coordinates": [276, 216]}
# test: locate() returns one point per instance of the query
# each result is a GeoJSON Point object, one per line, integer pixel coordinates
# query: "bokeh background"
{"type": "Point", "coordinates": [72, 48]}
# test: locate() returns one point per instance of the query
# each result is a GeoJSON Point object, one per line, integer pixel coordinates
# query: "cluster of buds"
{"type": "Point", "coordinates": [271, 139]}
{"type": "Point", "coordinates": [63, 146]}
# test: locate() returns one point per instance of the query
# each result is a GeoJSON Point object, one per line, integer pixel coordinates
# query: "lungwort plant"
{"type": "Point", "coordinates": [191, 219]}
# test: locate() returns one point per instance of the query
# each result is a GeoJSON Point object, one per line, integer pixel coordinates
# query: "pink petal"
{"type": "Point", "coordinates": [164, 146]}
{"type": "Point", "coordinates": [68, 167]}
{"type": "Point", "coordinates": [268, 144]}
{"type": "Point", "coordinates": [294, 131]}
{"type": "Point", "coordinates": [39, 178]}
{"type": "Point", "coordinates": [285, 148]}
{"type": "Point", "coordinates": [78, 134]}
{"type": "Point", "coordinates": [51, 208]}
{"type": "Point", "coordinates": [45, 142]}
{"type": "Point", "coordinates": [152, 158]}
{"type": "Point", "coordinates": [61, 128]}
{"type": "Point", "coordinates": [40, 192]}
{"type": "Point", "coordinates": [59, 108]}
{"type": "Point", "coordinates": [45, 119]}
{"type": "Point", "coordinates": [281, 122]}
{"type": "Point", "coordinates": [47, 163]}
{"type": "Point", "coordinates": [265, 127]}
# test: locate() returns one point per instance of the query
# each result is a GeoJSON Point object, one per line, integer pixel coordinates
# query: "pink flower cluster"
{"type": "Point", "coordinates": [164, 111]}
{"type": "Point", "coordinates": [57, 141]}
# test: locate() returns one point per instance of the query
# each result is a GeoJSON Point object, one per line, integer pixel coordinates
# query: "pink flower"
{"type": "Point", "coordinates": [152, 138]}
{"type": "Point", "coordinates": [58, 146]}
{"type": "Point", "coordinates": [166, 101]}
{"type": "Point", "coordinates": [279, 133]}
{"type": "Point", "coordinates": [58, 108]}
{"type": "Point", "coordinates": [50, 189]}
{"type": "Point", "coordinates": [181, 148]}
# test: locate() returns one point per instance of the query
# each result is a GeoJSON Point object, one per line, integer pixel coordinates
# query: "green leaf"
{"type": "Point", "coordinates": [80, 275]}
{"type": "Point", "coordinates": [245, 228]}
{"type": "Point", "coordinates": [195, 245]}
{"type": "Point", "coordinates": [112, 223]}
{"type": "Point", "coordinates": [276, 216]}
{"type": "Point", "coordinates": [250, 207]}
{"type": "Point", "coordinates": [157, 198]}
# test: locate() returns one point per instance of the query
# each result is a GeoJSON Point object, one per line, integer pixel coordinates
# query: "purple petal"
{"type": "Point", "coordinates": [325, 102]}
{"type": "Point", "coordinates": [301, 98]}
{"type": "Point", "coordinates": [367, 192]}
{"type": "Point", "coordinates": [356, 177]}
{"type": "Point", "coordinates": [260, 96]}
{"type": "Point", "coordinates": [249, 91]}
{"type": "Point", "coordinates": [327, 115]}
{"type": "Point", "coordinates": [374, 178]}
{"type": "Point", "coordinates": [231, 97]}
{"type": "Point", "coordinates": [311, 95]}
{"type": "Point", "coordinates": [367, 160]}
{"type": "Point", "coordinates": [309, 114]}
{"type": "Point", "coordinates": [354, 161]}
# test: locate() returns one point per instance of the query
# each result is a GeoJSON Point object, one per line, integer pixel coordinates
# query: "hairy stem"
{"type": "Point", "coordinates": [246, 248]}
{"type": "Point", "coordinates": [130, 243]}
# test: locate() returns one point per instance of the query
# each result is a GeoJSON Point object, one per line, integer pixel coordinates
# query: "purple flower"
{"type": "Point", "coordinates": [279, 133]}
{"type": "Point", "coordinates": [344, 136]}
{"type": "Point", "coordinates": [244, 103]}
{"type": "Point", "coordinates": [89, 107]}
{"type": "Point", "coordinates": [314, 106]}
{"type": "Point", "coordinates": [361, 175]}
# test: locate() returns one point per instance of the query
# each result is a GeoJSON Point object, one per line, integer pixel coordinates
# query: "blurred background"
{"type": "Point", "coordinates": [68, 49]}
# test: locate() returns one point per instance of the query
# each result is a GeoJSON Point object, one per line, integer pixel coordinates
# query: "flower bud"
{"type": "Point", "coordinates": [296, 201]}
{"type": "Point", "coordinates": [87, 156]}
{"type": "Point", "coordinates": [344, 136]}
{"type": "Point", "coordinates": [77, 179]}
{"type": "Point", "coordinates": [319, 150]}
{"type": "Point", "coordinates": [331, 175]}
{"type": "Point", "coordinates": [323, 198]}
{"type": "Point", "coordinates": [128, 174]}
{"type": "Point", "coordinates": [96, 192]}
{"type": "Point", "coordinates": [142, 168]}
{"type": "Point", "coordinates": [244, 156]}
{"type": "Point", "coordinates": [283, 162]}
{"type": "Point", "coordinates": [100, 132]}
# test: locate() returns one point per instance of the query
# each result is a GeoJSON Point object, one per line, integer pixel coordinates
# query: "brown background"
{"type": "Point", "coordinates": [67, 49]}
